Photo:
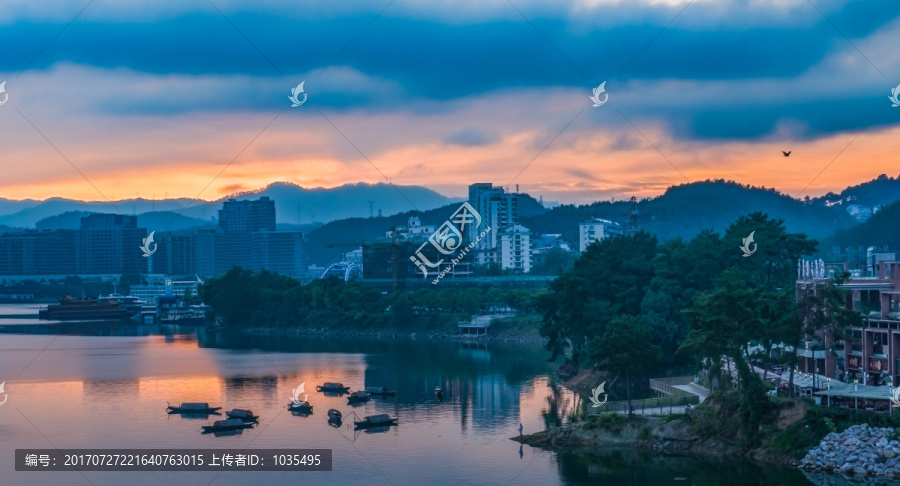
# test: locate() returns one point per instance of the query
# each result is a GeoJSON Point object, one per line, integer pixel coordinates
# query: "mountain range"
{"type": "Point", "coordinates": [293, 204]}
{"type": "Point", "coordinates": [337, 220]}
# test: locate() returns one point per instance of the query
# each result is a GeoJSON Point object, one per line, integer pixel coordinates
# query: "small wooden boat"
{"type": "Point", "coordinates": [245, 415]}
{"type": "Point", "coordinates": [358, 397]}
{"type": "Point", "coordinates": [331, 387]}
{"type": "Point", "coordinates": [192, 407]}
{"type": "Point", "coordinates": [438, 393]}
{"type": "Point", "coordinates": [303, 408]}
{"type": "Point", "coordinates": [381, 420]}
{"type": "Point", "coordinates": [230, 424]}
{"type": "Point", "coordinates": [380, 391]}
{"type": "Point", "coordinates": [335, 413]}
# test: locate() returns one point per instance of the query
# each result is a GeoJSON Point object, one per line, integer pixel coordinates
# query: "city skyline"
{"type": "Point", "coordinates": [118, 107]}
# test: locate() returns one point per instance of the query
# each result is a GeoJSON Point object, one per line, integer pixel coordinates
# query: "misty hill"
{"type": "Point", "coordinates": [153, 221]}
{"type": "Point", "coordinates": [881, 191]}
{"type": "Point", "coordinates": [685, 210]}
{"type": "Point", "coordinates": [882, 229]}
{"type": "Point", "coordinates": [293, 204]}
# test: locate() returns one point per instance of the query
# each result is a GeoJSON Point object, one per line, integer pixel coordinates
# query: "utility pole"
{"type": "Point", "coordinates": [632, 217]}
{"type": "Point", "coordinates": [371, 208]}
{"type": "Point", "coordinates": [395, 263]}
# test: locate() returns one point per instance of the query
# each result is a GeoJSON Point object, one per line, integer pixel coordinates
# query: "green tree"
{"type": "Point", "coordinates": [609, 279]}
{"type": "Point", "coordinates": [627, 349]}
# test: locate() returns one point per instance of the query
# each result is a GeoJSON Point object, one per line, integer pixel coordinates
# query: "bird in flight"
{"type": "Point", "coordinates": [786, 154]}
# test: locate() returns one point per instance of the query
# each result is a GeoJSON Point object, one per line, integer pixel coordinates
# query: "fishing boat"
{"type": "Point", "coordinates": [380, 391]}
{"type": "Point", "coordinates": [194, 407]}
{"type": "Point", "coordinates": [333, 388]}
{"type": "Point", "coordinates": [381, 420]}
{"type": "Point", "coordinates": [302, 408]}
{"type": "Point", "coordinates": [438, 393]}
{"type": "Point", "coordinates": [335, 413]}
{"type": "Point", "coordinates": [230, 424]}
{"type": "Point", "coordinates": [245, 415]}
{"type": "Point", "coordinates": [358, 397]}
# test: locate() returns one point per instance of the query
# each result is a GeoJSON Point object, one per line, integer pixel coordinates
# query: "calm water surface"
{"type": "Point", "coordinates": [106, 386]}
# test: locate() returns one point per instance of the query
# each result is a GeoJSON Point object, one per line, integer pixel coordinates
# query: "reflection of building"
{"type": "Point", "coordinates": [872, 354]}
{"type": "Point", "coordinates": [596, 229]}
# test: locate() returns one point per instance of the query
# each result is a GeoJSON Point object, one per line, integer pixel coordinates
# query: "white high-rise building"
{"type": "Point", "coordinates": [508, 243]}
{"type": "Point", "coordinates": [596, 229]}
{"type": "Point", "coordinates": [515, 248]}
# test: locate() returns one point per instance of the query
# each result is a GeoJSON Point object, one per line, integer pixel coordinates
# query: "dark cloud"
{"type": "Point", "coordinates": [429, 60]}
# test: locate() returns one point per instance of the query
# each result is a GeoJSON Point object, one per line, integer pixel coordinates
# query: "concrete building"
{"type": "Point", "coordinates": [508, 244]}
{"type": "Point", "coordinates": [872, 354]}
{"type": "Point", "coordinates": [104, 244]}
{"type": "Point", "coordinates": [156, 286]}
{"type": "Point", "coordinates": [280, 252]}
{"type": "Point", "coordinates": [596, 229]}
{"type": "Point", "coordinates": [247, 216]}
{"type": "Point", "coordinates": [515, 249]}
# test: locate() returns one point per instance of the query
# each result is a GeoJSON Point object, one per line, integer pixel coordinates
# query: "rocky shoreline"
{"type": "Point", "coordinates": [859, 450]}
{"type": "Point", "coordinates": [498, 337]}
{"type": "Point", "coordinates": [652, 434]}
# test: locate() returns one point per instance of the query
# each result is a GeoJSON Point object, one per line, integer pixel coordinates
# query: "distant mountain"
{"type": "Point", "coordinates": [329, 243]}
{"type": "Point", "coordinates": [153, 221]}
{"type": "Point", "coordinates": [685, 210]}
{"type": "Point", "coordinates": [862, 200]}
{"type": "Point", "coordinates": [293, 204]}
{"type": "Point", "coordinates": [882, 229]}
{"type": "Point", "coordinates": [297, 205]}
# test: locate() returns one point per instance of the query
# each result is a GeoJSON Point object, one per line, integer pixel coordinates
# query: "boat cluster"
{"type": "Point", "coordinates": [240, 419]}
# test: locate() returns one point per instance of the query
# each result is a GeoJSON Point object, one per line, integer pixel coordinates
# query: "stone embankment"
{"type": "Point", "coordinates": [860, 450]}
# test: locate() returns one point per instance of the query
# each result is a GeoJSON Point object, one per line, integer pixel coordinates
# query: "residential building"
{"type": "Point", "coordinates": [247, 216]}
{"type": "Point", "coordinates": [110, 243]}
{"type": "Point", "coordinates": [872, 354]}
{"type": "Point", "coordinates": [279, 252]}
{"type": "Point", "coordinates": [596, 229]}
{"type": "Point", "coordinates": [515, 248]}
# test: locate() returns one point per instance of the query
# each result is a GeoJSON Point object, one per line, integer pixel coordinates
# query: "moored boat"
{"type": "Point", "coordinates": [302, 408]}
{"type": "Point", "coordinates": [380, 420]}
{"type": "Point", "coordinates": [358, 397]}
{"type": "Point", "coordinates": [245, 415]}
{"type": "Point", "coordinates": [194, 407]}
{"type": "Point", "coordinates": [335, 413]}
{"type": "Point", "coordinates": [70, 309]}
{"type": "Point", "coordinates": [380, 391]}
{"type": "Point", "coordinates": [438, 393]}
{"type": "Point", "coordinates": [331, 387]}
{"type": "Point", "coordinates": [229, 424]}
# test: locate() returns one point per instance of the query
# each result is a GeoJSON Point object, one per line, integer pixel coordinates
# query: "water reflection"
{"type": "Point", "coordinates": [636, 468]}
{"type": "Point", "coordinates": [116, 381]}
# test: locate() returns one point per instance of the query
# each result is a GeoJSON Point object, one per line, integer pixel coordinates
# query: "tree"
{"type": "Point", "coordinates": [626, 348]}
{"type": "Point", "coordinates": [609, 279]}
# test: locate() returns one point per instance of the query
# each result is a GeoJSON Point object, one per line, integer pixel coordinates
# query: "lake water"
{"type": "Point", "coordinates": [81, 385]}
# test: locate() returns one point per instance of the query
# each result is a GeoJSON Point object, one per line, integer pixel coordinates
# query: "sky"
{"type": "Point", "coordinates": [112, 99]}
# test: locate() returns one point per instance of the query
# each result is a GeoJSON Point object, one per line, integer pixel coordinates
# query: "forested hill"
{"type": "Point", "coordinates": [686, 210]}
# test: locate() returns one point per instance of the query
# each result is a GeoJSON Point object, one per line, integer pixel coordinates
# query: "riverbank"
{"type": "Point", "coordinates": [500, 332]}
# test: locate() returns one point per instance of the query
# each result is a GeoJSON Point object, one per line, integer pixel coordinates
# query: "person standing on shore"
{"type": "Point", "coordinates": [520, 429]}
